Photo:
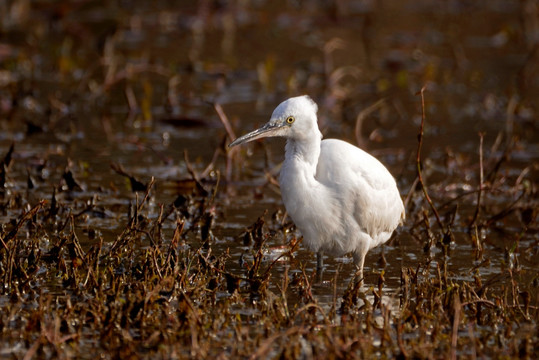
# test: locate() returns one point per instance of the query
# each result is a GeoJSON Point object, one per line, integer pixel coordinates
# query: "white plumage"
{"type": "Point", "coordinates": [342, 199]}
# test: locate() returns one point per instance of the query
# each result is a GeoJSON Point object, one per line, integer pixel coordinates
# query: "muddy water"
{"type": "Point", "coordinates": [85, 86]}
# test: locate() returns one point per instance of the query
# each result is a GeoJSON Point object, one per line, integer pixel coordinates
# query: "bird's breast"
{"type": "Point", "coordinates": [311, 205]}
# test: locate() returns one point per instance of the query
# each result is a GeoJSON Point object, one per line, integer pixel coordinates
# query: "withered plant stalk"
{"type": "Point", "coordinates": [418, 160]}
{"type": "Point", "coordinates": [480, 190]}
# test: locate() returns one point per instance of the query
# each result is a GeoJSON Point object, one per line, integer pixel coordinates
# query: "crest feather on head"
{"type": "Point", "coordinates": [312, 102]}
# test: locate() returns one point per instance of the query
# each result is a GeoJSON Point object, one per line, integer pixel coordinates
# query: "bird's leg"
{"type": "Point", "coordinates": [359, 259]}
{"type": "Point", "coordinates": [358, 276]}
{"type": "Point", "coordinates": [319, 266]}
{"type": "Point", "coordinates": [319, 261]}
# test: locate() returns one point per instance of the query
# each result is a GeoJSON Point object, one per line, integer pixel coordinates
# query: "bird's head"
{"type": "Point", "coordinates": [294, 118]}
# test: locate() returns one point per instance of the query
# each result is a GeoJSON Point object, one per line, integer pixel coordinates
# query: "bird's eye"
{"type": "Point", "coordinates": [290, 120]}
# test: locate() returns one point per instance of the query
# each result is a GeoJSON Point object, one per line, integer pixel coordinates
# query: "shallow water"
{"type": "Point", "coordinates": [83, 86]}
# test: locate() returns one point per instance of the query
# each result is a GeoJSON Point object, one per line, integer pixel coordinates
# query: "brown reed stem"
{"type": "Point", "coordinates": [480, 190]}
{"type": "Point", "coordinates": [418, 160]}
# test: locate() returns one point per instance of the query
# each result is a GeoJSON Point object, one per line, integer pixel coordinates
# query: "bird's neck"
{"type": "Point", "coordinates": [307, 152]}
{"type": "Point", "coordinates": [303, 195]}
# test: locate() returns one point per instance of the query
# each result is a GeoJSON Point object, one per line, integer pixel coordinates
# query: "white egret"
{"type": "Point", "coordinates": [342, 199]}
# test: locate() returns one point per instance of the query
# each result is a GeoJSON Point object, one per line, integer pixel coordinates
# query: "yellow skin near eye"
{"type": "Point", "coordinates": [290, 119]}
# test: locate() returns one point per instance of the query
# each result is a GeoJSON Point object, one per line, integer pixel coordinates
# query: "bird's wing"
{"type": "Point", "coordinates": [364, 186]}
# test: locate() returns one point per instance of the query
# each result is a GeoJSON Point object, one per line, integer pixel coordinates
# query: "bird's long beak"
{"type": "Point", "coordinates": [269, 129]}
